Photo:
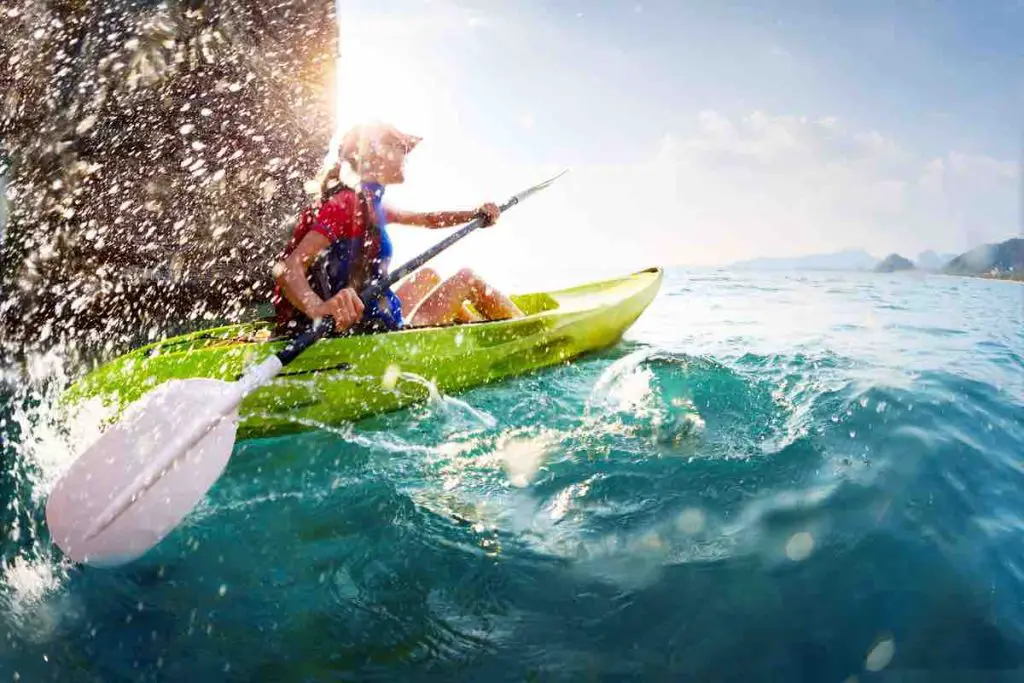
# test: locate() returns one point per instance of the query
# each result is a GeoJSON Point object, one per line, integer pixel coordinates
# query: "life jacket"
{"type": "Point", "coordinates": [353, 259]}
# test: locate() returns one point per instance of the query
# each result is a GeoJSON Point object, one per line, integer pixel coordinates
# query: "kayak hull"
{"type": "Point", "coordinates": [347, 378]}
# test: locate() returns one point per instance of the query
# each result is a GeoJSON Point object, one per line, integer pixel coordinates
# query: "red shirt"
{"type": "Point", "coordinates": [336, 219]}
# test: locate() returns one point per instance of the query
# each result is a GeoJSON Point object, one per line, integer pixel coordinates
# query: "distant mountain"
{"type": "Point", "coordinates": [930, 260]}
{"type": "Point", "coordinates": [1003, 259]}
{"type": "Point", "coordinates": [849, 259]}
{"type": "Point", "coordinates": [894, 263]}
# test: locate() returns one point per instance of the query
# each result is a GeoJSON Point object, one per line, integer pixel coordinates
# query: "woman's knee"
{"type": "Point", "coordinates": [427, 275]}
{"type": "Point", "coordinates": [468, 276]}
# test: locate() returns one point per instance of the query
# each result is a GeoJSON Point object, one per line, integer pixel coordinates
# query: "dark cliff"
{"type": "Point", "coordinates": [155, 155]}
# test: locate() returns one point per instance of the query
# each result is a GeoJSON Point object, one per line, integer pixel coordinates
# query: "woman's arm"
{"type": "Point", "coordinates": [442, 219]}
{"type": "Point", "coordinates": [345, 307]}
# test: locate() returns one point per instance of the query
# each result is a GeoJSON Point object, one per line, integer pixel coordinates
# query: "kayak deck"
{"type": "Point", "coordinates": [340, 379]}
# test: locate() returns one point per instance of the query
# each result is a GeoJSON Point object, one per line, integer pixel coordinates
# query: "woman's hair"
{"type": "Point", "coordinates": [329, 177]}
{"type": "Point", "coordinates": [349, 153]}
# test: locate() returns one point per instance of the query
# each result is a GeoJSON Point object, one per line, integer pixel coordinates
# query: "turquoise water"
{"type": "Point", "coordinates": [805, 477]}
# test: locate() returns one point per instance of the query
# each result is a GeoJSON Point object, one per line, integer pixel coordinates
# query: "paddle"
{"type": "Point", "coordinates": [149, 470]}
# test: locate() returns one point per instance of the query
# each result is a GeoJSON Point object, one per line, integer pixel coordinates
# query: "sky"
{"type": "Point", "coordinates": [696, 133]}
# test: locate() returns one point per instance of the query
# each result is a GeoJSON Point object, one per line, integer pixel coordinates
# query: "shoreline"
{"type": "Point", "coordinates": [1015, 277]}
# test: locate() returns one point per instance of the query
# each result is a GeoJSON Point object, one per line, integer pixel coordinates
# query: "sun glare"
{"type": "Point", "coordinates": [381, 77]}
{"type": "Point", "coordinates": [404, 70]}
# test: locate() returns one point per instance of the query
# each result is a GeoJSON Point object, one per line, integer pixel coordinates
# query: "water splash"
{"type": "Point", "coordinates": [450, 406]}
{"type": "Point", "coordinates": [40, 440]}
{"type": "Point", "coordinates": [521, 453]}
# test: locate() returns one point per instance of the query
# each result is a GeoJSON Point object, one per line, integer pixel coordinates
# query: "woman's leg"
{"type": "Point", "coordinates": [445, 304]}
{"type": "Point", "coordinates": [415, 288]}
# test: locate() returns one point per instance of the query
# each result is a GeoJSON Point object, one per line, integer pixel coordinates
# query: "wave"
{"type": "Point", "coordinates": [637, 481]}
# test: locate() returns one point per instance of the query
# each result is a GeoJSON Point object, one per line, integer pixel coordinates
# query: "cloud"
{"type": "Point", "coordinates": [761, 185]}
{"type": "Point", "coordinates": [970, 165]}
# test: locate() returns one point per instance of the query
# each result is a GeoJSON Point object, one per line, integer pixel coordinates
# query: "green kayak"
{"type": "Point", "coordinates": [346, 378]}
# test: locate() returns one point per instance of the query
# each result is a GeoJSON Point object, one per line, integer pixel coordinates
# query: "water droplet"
{"type": "Point", "coordinates": [881, 655]}
{"type": "Point", "coordinates": [799, 546]}
{"type": "Point", "coordinates": [85, 124]}
{"type": "Point", "coordinates": [651, 541]}
{"type": "Point", "coordinates": [691, 521]}
{"type": "Point", "coordinates": [390, 378]}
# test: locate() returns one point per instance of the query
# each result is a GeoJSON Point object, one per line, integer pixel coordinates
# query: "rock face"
{"type": "Point", "coordinates": [155, 155]}
{"type": "Point", "coordinates": [1005, 259]}
{"type": "Point", "coordinates": [894, 263]}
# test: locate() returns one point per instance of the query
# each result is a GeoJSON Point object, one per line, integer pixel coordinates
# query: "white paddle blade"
{"type": "Point", "coordinates": [146, 473]}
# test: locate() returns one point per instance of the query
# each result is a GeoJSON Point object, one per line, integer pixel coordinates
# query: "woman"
{"type": "Point", "coordinates": [343, 245]}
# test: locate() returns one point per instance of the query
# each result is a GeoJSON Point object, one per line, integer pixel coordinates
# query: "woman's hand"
{"type": "Point", "coordinates": [444, 219]}
{"type": "Point", "coordinates": [345, 307]}
{"type": "Point", "coordinates": [490, 213]}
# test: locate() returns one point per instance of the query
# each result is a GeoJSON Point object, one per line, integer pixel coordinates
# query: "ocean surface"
{"type": "Point", "coordinates": [773, 477]}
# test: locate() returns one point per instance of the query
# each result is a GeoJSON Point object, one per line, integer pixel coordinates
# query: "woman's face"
{"type": "Point", "coordinates": [385, 163]}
